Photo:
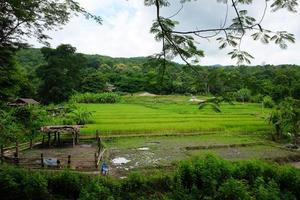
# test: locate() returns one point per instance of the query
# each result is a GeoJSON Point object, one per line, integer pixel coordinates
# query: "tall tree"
{"type": "Point", "coordinates": [61, 75]}
{"type": "Point", "coordinates": [20, 19]}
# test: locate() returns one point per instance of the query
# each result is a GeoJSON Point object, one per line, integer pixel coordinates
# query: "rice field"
{"type": "Point", "coordinates": [173, 114]}
{"type": "Point", "coordinates": [156, 132]}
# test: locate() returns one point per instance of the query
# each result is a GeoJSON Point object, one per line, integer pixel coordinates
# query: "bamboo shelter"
{"type": "Point", "coordinates": [56, 131]}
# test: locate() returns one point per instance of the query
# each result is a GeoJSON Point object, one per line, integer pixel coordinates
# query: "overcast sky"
{"type": "Point", "coordinates": [126, 24]}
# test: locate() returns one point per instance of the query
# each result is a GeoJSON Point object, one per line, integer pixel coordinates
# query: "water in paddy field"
{"type": "Point", "coordinates": [120, 161]}
{"type": "Point", "coordinates": [143, 148]}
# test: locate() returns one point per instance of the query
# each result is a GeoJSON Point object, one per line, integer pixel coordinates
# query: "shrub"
{"type": "Point", "coordinates": [256, 98]}
{"type": "Point", "coordinates": [233, 189]}
{"type": "Point", "coordinates": [289, 180]}
{"type": "Point", "coordinates": [66, 184]}
{"type": "Point", "coordinates": [268, 102]}
{"type": "Point", "coordinates": [96, 98]}
{"type": "Point", "coordinates": [210, 173]}
{"type": "Point", "coordinates": [208, 178]}
{"type": "Point", "coordinates": [266, 191]}
{"type": "Point", "coordinates": [81, 116]}
{"type": "Point", "coordinates": [97, 189]}
{"type": "Point", "coordinates": [186, 175]}
{"type": "Point", "coordinates": [243, 95]}
{"type": "Point", "coordinates": [19, 184]}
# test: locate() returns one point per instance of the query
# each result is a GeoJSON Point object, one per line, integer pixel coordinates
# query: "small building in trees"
{"type": "Point", "coordinates": [109, 87]}
{"type": "Point", "coordinates": [23, 102]}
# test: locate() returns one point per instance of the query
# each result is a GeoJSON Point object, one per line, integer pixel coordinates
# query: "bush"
{"type": "Point", "coordinates": [96, 191]}
{"type": "Point", "coordinates": [268, 102]}
{"type": "Point", "coordinates": [19, 184]}
{"type": "Point", "coordinates": [66, 184]}
{"type": "Point", "coordinates": [96, 98]}
{"type": "Point", "coordinates": [208, 178]}
{"type": "Point", "coordinates": [210, 173]}
{"type": "Point", "coordinates": [233, 189]}
{"type": "Point", "coordinates": [266, 191]}
{"type": "Point", "coordinates": [81, 116]}
{"type": "Point", "coordinates": [243, 95]}
{"type": "Point", "coordinates": [257, 98]}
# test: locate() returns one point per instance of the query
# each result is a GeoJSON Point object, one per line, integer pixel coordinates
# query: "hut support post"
{"type": "Point", "coordinates": [96, 160]}
{"type": "Point", "coordinates": [58, 138]}
{"type": "Point", "coordinates": [77, 137]}
{"type": "Point", "coordinates": [73, 137]}
{"type": "Point", "coordinates": [42, 160]}
{"type": "Point", "coordinates": [69, 161]}
{"type": "Point", "coordinates": [43, 141]}
{"type": "Point", "coordinates": [49, 137]}
{"type": "Point", "coordinates": [54, 140]}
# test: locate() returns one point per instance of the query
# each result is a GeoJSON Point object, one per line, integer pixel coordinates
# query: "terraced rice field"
{"type": "Point", "coordinates": [166, 116]}
{"type": "Point", "coordinates": [154, 132]}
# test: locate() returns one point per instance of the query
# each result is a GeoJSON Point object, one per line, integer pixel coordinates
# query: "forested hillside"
{"type": "Point", "coordinates": [143, 74]}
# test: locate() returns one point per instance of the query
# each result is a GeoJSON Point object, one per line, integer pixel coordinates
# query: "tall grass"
{"type": "Point", "coordinates": [101, 98]}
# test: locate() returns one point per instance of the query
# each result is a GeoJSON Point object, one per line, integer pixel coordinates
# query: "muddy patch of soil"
{"type": "Point", "coordinates": [82, 156]}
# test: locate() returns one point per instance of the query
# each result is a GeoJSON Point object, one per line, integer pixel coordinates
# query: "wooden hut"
{"type": "Point", "coordinates": [55, 131]}
{"type": "Point", "coordinates": [23, 102]}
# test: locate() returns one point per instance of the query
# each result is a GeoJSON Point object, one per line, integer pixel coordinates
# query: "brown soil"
{"type": "Point", "coordinates": [82, 156]}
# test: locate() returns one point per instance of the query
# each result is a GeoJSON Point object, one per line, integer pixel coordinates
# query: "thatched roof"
{"type": "Point", "coordinates": [61, 128]}
{"type": "Point", "coordinates": [24, 101]}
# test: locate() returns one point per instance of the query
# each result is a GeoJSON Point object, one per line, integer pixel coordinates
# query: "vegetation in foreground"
{"type": "Point", "coordinates": [208, 178]}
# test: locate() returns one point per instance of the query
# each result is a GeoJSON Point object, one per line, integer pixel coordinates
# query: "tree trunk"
{"type": "Point", "coordinates": [17, 153]}
{"type": "Point", "coordinates": [17, 149]}
{"type": "Point", "coordinates": [2, 154]}
{"type": "Point", "coordinates": [30, 144]}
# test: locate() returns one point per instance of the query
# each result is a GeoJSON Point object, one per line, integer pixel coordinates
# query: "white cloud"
{"type": "Point", "coordinates": [125, 31]}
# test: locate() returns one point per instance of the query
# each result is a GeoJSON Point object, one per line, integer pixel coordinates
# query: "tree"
{"type": "Point", "coordinates": [20, 19]}
{"type": "Point", "coordinates": [184, 44]}
{"type": "Point", "coordinates": [9, 128]}
{"type": "Point", "coordinates": [277, 120]}
{"type": "Point", "coordinates": [286, 118]}
{"type": "Point", "coordinates": [93, 82]}
{"type": "Point", "coordinates": [8, 75]}
{"type": "Point", "coordinates": [243, 94]}
{"type": "Point", "coordinates": [292, 117]}
{"type": "Point", "coordinates": [61, 76]}
{"type": "Point", "coordinates": [32, 118]}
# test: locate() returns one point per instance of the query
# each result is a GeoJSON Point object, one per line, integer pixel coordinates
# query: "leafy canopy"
{"type": "Point", "coordinates": [230, 34]}
{"type": "Point", "coordinates": [32, 18]}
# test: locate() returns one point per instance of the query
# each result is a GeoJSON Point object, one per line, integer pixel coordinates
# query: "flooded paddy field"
{"type": "Point", "coordinates": [134, 154]}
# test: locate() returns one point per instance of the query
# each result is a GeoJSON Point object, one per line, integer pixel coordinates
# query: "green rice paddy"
{"type": "Point", "coordinates": [173, 114]}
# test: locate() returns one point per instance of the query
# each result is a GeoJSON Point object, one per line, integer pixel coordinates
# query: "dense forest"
{"type": "Point", "coordinates": [95, 73]}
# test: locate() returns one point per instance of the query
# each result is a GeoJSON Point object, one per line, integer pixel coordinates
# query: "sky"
{"type": "Point", "coordinates": [126, 25]}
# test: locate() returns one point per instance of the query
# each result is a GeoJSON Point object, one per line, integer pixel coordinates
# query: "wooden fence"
{"type": "Point", "coordinates": [11, 155]}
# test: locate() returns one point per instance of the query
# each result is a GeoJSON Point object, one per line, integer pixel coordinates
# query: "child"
{"type": "Point", "coordinates": [104, 169]}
